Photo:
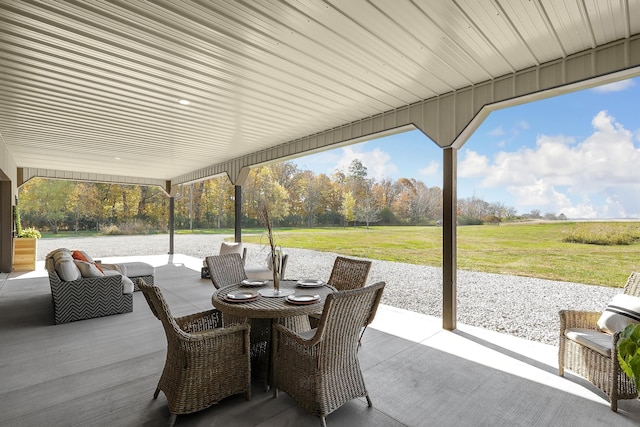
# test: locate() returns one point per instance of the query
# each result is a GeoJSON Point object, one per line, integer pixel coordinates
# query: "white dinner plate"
{"type": "Point", "coordinates": [241, 295]}
{"type": "Point", "coordinates": [254, 283]}
{"type": "Point", "coordinates": [303, 299]}
{"type": "Point", "coordinates": [309, 283]}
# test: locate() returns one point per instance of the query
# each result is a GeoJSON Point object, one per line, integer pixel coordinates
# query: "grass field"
{"type": "Point", "coordinates": [534, 250]}
{"type": "Point", "coordinates": [520, 249]}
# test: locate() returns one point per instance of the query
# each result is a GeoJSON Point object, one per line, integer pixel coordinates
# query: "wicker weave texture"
{"type": "Point", "coordinates": [87, 298]}
{"type": "Point", "coordinates": [348, 273]}
{"type": "Point", "coordinates": [602, 371]}
{"type": "Point", "coordinates": [205, 362]}
{"type": "Point", "coordinates": [323, 372]}
{"type": "Point", "coordinates": [225, 269]}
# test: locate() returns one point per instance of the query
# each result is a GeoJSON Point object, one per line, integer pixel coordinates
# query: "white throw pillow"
{"type": "Point", "coordinates": [231, 248]}
{"type": "Point", "coordinates": [620, 312]}
{"type": "Point", "coordinates": [87, 269]}
{"type": "Point", "coordinates": [67, 270]}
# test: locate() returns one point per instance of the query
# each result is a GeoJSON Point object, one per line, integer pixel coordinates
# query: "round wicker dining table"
{"type": "Point", "coordinates": [263, 312]}
{"type": "Point", "coordinates": [270, 307]}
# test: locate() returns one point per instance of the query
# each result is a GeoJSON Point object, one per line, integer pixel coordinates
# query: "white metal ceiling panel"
{"type": "Point", "coordinates": [85, 82]}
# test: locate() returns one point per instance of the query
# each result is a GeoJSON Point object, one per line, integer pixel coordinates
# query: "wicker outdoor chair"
{"type": "Point", "coordinates": [225, 270]}
{"type": "Point", "coordinates": [592, 354]}
{"type": "Point", "coordinates": [347, 273]}
{"type": "Point", "coordinates": [205, 362]}
{"type": "Point", "coordinates": [320, 369]}
{"type": "Point", "coordinates": [228, 269]}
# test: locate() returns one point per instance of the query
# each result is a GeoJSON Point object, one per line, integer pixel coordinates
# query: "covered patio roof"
{"type": "Point", "coordinates": [91, 89]}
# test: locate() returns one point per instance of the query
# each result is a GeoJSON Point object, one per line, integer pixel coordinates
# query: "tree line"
{"type": "Point", "coordinates": [298, 198]}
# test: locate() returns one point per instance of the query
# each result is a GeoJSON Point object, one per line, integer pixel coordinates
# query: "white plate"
{"type": "Point", "coordinates": [241, 295]}
{"type": "Point", "coordinates": [303, 299]}
{"type": "Point", "coordinates": [254, 283]}
{"type": "Point", "coordinates": [308, 283]}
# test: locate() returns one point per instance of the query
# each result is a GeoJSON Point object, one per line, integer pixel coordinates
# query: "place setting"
{"type": "Point", "coordinates": [309, 283]}
{"type": "Point", "coordinates": [248, 283]}
{"type": "Point", "coordinates": [302, 299]}
{"type": "Point", "coordinates": [241, 296]}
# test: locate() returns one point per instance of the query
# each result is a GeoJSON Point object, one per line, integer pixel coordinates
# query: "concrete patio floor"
{"type": "Point", "coordinates": [103, 372]}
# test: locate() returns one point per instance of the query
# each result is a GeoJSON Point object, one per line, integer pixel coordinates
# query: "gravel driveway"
{"type": "Point", "coordinates": [519, 306]}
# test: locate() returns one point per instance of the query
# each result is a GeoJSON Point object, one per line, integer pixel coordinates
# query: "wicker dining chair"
{"type": "Point", "coordinates": [228, 269]}
{"type": "Point", "coordinates": [205, 362]}
{"type": "Point", "coordinates": [592, 354]}
{"type": "Point", "coordinates": [320, 369]}
{"type": "Point", "coordinates": [225, 270]}
{"type": "Point", "coordinates": [347, 273]}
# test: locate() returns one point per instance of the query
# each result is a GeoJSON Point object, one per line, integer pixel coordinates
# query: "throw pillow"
{"type": "Point", "coordinates": [231, 248]}
{"type": "Point", "coordinates": [67, 270]}
{"type": "Point", "coordinates": [88, 269]}
{"type": "Point", "coordinates": [83, 256]}
{"type": "Point", "coordinates": [620, 312]}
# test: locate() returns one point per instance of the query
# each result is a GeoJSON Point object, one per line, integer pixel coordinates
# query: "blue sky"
{"type": "Point", "coordinates": [577, 154]}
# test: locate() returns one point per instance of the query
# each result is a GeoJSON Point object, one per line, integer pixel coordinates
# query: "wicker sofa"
{"type": "Point", "coordinates": [82, 289]}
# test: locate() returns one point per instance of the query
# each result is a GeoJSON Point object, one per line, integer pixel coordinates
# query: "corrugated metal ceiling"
{"type": "Point", "coordinates": [84, 82]}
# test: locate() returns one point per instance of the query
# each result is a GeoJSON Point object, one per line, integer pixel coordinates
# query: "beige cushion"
{"type": "Point", "coordinates": [67, 270]}
{"type": "Point", "coordinates": [231, 248]}
{"type": "Point", "coordinates": [87, 269]}
{"type": "Point", "coordinates": [598, 341]}
{"type": "Point", "coordinates": [55, 251]}
{"type": "Point", "coordinates": [62, 255]}
{"type": "Point", "coordinates": [114, 268]}
{"type": "Point", "coordinates": [620, 312]}
{"type": "Point", "coordinates": [127, 285]}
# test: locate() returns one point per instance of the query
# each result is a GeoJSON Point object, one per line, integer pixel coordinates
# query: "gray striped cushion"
{"type": "Point", "coordinates": [620, 312]}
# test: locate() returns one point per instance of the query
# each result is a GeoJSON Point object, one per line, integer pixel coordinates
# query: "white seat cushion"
{"type": "Point", "coordinates": [127, 285]}
{"type": "Point", "coordinates": [136, 269]}
{"type": "Point", "coordinates": [595, 340]}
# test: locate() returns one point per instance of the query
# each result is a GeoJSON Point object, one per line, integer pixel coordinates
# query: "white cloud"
{"type": "Point", "coordinates": [596, 177]}
{"type": "Point", "coordinates": [615, 86]}
{"type": "Point", "coordinates": [496, 132]}
{"type": "Point", "coordinates": [432, 168]}
{"type": "Point", "coordinates": [377, 162]}
{"type": "Point", "coordinates": [473, 165]}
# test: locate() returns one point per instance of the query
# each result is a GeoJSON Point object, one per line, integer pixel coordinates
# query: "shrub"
{"type": "Point", "coordinates": [604, 234]}
{"type": "Point", "coordinates": [110, 230]}
{"type": "Point", "coordinates": [30, 233]}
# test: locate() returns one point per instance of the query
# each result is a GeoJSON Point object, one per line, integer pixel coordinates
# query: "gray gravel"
{"type": "Point", "coordinates": [519, 306]}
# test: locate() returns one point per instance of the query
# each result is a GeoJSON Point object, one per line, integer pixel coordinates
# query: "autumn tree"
{"type": "Point", "coordinates": [348, 210]}
{"type": "Point", "coordinates": [45, 201]}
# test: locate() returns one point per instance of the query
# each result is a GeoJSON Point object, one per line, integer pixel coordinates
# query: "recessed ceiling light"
{"type": "Point", "coordinates": [117, 158]}
{"type": "Point", "coordinates": [184, 102]}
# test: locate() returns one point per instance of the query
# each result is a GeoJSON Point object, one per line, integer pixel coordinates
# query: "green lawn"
{"type": "Point", "coordinates": [534, 250]}
{"type": "Point", "coordinates": [523, 249]}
